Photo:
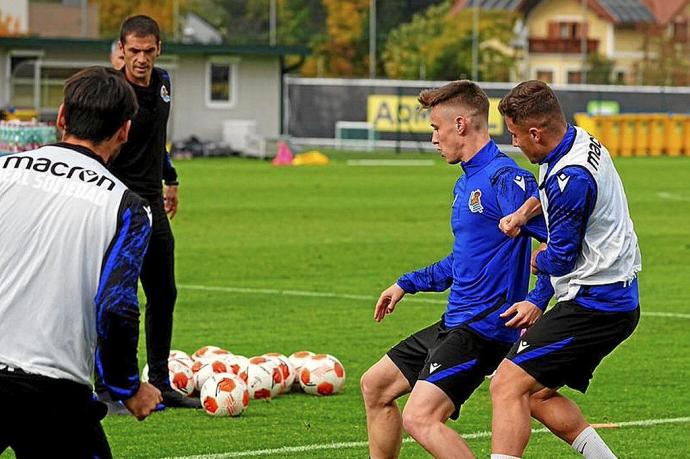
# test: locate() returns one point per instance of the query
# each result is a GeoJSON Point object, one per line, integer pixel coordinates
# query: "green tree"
{"type": "Point", "coordinates": [113, 12]}
{"type": "Point", "coordinates": [600, 69]}
{"type": "Point", "coordinates": [438, 45]}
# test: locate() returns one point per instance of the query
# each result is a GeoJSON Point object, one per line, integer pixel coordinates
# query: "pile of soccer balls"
{"type": "Point", "coordinates": [226, 382]}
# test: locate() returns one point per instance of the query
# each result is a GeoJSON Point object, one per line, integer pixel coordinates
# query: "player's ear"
{"type": "Point", "coordinates": [160, 48]}
{"type": "Point", "coordinates": [535, 134]}
{"type": "Point", "coordinates": [60, 121]}
{"type": "Point", "coordinates": [123, 132]}
{"type": "Point", "coordinates": [460, 124]}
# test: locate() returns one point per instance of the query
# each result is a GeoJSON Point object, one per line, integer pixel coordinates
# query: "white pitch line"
{"type": "Point", "coordinates": [672, 196]}
{"type": "Point", "coordinates": [347, 296]}
{"type": "Point", "coordinates": [361, 444]}
{"type": "Point", "coordinates": [390, 162]}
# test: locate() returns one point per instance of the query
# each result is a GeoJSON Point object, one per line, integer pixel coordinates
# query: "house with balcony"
{"type": "Point", "coordinates": [556, 39]}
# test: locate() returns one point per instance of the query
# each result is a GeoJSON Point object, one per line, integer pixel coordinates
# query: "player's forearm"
{"type": "Point", "coordinates": [530, 209]}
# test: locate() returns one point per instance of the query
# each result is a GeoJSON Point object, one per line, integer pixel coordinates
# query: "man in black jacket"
{"type": "Point", "coordinates": [143, 165]}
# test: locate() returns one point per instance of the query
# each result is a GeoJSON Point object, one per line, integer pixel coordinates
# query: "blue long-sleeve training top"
{"type": "Point", "coordinates": [572, 194]}
{"type": "Point", "coordinates": [487, 271]}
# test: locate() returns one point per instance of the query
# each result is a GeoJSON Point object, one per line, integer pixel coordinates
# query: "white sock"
{"type": "Point", "coordinates": [503, 456]}
{"type": "Point", "coordinates": [591, 445]}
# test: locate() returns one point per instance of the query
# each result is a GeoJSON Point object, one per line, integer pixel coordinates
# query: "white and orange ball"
{"type": "Point", "coordinates": [323, 374]}
{"type": "Point", "coordinates": [182, 357]}
{"type": "Point", "coordinates": [205, 368]}
{"type": "Point", "coordinates": [180, 375]}
{"type": "Point", "coordinates": [286, 369]}
{"type": "Point", "coordinates": [209, 351]}
{"type": "Point", "coordinates": [264, 378]}
{"type": "Point", "coordinates": [238, 365]}
{"type": "Point", "coordinates": [224, 394]}
{"type": "Point", "coordinates": [297, 359]}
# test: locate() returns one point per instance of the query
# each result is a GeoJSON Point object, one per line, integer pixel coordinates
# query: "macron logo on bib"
{"type": "Point", "coordinates": [562, 181]}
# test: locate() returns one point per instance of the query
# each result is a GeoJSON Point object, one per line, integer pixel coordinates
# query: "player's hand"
{"type": "Point", "coordinates": [511, 225]}
{"type": "Point", "coordinates": [170, 200]}
{"type": "Point", "coordinates": [533, 260]}
{"type": "Point", "coordinates": [144, 402]}
{"type": "Point", "coordinates": [524, 314]}
{"type": "Point", "coordinates": [387, 301]}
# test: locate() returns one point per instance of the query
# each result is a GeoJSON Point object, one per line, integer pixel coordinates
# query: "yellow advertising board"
{"type": "Point", "coordinates": [391, 113]}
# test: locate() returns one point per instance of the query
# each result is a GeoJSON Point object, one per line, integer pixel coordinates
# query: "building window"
{"type": "Point", "coordinates": [680, 30]}
{"type": "Point", "coordinates": [221, 83]}
{"type": "Point", "coordinates": [567, 30]}
{"type": "Point", "coordinates": [545, 75]}
{"type": "Point", "coordinates": [52, 84]}
{"type": "Point", "coordinates": [574, 77]}
{"type": "Point", "coordinates": [23, 69]}
{"type": "Point", "coordinates": [619, 77]}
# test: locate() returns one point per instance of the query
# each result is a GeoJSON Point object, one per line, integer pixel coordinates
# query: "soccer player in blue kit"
{"type": "Point", "coordinates": [592, 258]}
{"type": "Point", "coordinates": [486, 271]}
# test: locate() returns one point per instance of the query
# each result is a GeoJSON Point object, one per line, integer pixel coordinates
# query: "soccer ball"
{"type": "Point", "coordinates": [238, 365]}
{"type": "Point", "coordinates": [297, 359]}
{"type": "Point", "coordinates": [182, 357]}
{"type": "Point", "coordinates": [264, 378]}
{"type": "Point", "coordinates": [180, 375]}
{"type": "Point", "coordinates": [224, 394]}
{"type": "Point", "coordinates": [209, 351]}
{"type": "Point", "coordinates": [205, 368]}
{"type": "Point", "coordinates": [322, 375]}
{"type": "Point", "coordinates": [286, 369]}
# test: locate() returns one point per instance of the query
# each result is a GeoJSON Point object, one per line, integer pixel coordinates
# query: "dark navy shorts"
{"type": "Point", "coordinates": [456, 360]}
{"type": "Point", "coordinates": [565, 346]}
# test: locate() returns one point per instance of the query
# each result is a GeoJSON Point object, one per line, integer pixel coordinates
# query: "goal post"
{"type": "Point", "coordinates": [355, 135]}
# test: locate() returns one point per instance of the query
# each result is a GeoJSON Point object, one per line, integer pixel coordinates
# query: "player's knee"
{"type": "Point", "coordinates": [500, 387]}
{"type": "Point", "coordinates": [371, 389]}
{"type": "Point", "coordinates": [416, 424]}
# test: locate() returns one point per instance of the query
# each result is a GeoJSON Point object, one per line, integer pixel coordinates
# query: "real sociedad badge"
{"type": "Point", "coordinates": [165, 95]}
{"type": "Point", "coordinates": [475, 202]}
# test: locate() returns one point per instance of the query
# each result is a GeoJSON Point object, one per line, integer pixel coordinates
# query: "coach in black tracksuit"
{"type": "Point", "coordinates": [142, 165]}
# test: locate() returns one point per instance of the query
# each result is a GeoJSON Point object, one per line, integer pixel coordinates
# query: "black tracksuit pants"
{"type": "Point", "coordinates": [46, 417]}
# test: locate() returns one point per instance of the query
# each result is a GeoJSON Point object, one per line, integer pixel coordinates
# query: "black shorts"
{"type": "Point", "coordinates": [456, 360]}
{"type": "Point", "coordinates": [568, 343]}
{"type": "Point", "coordinates": [47, 417]}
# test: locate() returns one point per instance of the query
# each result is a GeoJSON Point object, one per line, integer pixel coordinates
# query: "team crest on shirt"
{"type": "Point", "coordinates": [475, 202]}
{"type": "Point", "coordinates": [165, 95]}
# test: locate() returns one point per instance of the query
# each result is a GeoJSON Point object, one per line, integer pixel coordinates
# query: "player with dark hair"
{"type": "Point", "coordinates": [74, 238]}
{"type": "Point", "coordinates": [143, 165]}
{"type": "Point", "coordinates": [592, 258]}
{"type": "Point", "coordinates": [486, 272]}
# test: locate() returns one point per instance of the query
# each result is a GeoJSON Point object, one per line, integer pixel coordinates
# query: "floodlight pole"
{"type": "Point", "coordinates": [273, 36]}
{"type": "Point", "coordinates": [475, 41]}
{"type": "Point", "coordinates": [84, 18]}
{"type": "Point", "coordinates": [372, 39]}
{"type": "Point", "coordinates": [583, 42]}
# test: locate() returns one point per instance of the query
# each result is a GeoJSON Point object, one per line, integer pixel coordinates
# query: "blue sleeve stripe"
{"type": "Point", "coordinates": [111, 262]}
{"type": "Point", "coordinates": [451, 371]}
{"type": "Point", "coordinates": [120, 393]}
{"type": "Point", "coordinates": [542, 351]}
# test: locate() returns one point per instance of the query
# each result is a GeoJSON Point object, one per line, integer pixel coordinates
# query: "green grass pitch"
{"type": "Point", "coordinates": [267, 238]}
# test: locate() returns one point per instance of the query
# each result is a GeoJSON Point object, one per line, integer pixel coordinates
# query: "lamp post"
{"type": "Point", "coordinates": [273, 21]}
{"type": "Point", "coordinates": [475, 40]}
{"type": "Point", "coordinates": [583, 42]}
{"type": "Point", "coordinates": [372, 39]}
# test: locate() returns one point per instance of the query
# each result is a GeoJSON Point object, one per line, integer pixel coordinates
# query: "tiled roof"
{"type": "Point", "coordinates": [617, 11]}
{"type": "Point", "coordinates": [628, 11]}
